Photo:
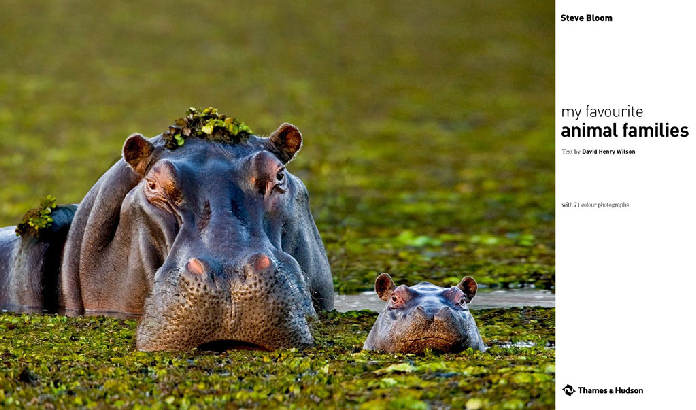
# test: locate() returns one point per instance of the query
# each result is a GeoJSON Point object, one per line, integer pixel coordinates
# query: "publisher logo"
{"type": "Point", "coordinates": [582, 390]}
{"type": "Point", "coordinates": [569, 390]}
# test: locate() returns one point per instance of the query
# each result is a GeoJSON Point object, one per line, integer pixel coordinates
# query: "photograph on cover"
{"type": "Point", "coordinates": [277, 205]}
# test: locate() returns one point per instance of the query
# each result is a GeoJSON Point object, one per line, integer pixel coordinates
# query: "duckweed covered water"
{"type": "Point", "coordinates": [60, 362]}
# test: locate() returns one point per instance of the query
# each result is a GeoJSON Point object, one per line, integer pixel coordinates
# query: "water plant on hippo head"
{"type": "Point", "coordinates": [208, 240]}
{"type": "Point", "coordinates": [424, 316]}
{"type": "Point", "coordinates": [206, 124]}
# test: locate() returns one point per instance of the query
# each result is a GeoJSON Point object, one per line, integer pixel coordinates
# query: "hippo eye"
{"type": "Point", "coordinates": [279, 186]}
{"type": "Point", "coordinates": [151, 185]}
{"type": "Point", "coordinates": [395, 301]}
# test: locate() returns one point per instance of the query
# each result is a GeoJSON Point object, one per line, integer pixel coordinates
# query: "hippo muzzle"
{"type": "Point", "coordinates": [423, 317]}
{"type": "Point", "coordinates": [258, 303]}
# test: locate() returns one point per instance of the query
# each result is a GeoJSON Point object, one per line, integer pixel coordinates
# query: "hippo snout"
{"type": "Point", "coordinates": [257, 300]}
{"type": "Point", "coordinates": [440, 315]}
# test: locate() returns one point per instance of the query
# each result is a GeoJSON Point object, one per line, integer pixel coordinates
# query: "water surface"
{"type": "Point", "coordinates": [486, 299]}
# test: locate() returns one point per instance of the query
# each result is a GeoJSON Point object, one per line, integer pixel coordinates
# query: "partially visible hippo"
{"type": "Point", "coordinates": [424, 316]}
{"type": "Point", "coordinates": [206, 240]}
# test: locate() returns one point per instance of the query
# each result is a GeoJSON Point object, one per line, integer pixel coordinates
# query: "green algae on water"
{"type": "Point", "coordinates": [91, 362]}
{"type": "Point", "coordinates": [37, 218]}
{"type": "Point", "coordinates": [207, 125]}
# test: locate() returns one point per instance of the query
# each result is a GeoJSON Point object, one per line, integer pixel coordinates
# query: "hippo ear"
{"type": "Point", "coordinates": [137, 151]}
{"type": "Point", "coordinates": [384, 286]}
{"type": "Point", "coordinates": [468, 286]}
{"type": "Point", "coordinates": [285, 142]}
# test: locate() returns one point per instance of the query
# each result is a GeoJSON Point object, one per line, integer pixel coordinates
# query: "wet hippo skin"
{"type": "Point", "coordinates": [208, 242]}
{"type": "Point", "coordinates": [423, 317]}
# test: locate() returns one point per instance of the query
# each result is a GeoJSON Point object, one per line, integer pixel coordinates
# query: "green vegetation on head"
{"type": "Point", "coordinates": [207, 125]}
{"type": "Point", "coordinates": [37, 219]}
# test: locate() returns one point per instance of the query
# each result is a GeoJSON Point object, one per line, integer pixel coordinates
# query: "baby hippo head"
{"type": "Point", "coordinates": [424, 316]}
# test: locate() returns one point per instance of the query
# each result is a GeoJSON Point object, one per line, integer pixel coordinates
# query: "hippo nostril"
{"type": "Point", "coordinates": [260, 262]}
{"type": "Point", "coordinates": [421, 312]}
{"type": "Point", "coordinates": [444, 314]}
{"type": "Point", "coordinates": [194, 265]}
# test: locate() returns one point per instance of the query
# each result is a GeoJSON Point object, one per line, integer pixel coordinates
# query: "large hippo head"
{"type": "Point", "coordinates": [424, 316]}
{"type": "Point", "coordinates": [210, 241]}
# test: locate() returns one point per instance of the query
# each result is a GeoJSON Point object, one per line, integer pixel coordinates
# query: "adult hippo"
{"type": "Point", "coordinates": [206, 239]}
{"type": "Point", "coordinates": [424, 316]}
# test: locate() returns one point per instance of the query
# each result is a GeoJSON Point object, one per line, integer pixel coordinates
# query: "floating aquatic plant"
{"type": "Point", "coordinates": [208, 125]}
{"type": "Point", "coordinates": [52, 361]}
{"type": "Point", "coordinates": [38, 218]}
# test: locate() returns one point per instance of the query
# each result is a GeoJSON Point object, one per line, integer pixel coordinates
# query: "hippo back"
{"type": "Point", "coordinates": [30, 264]}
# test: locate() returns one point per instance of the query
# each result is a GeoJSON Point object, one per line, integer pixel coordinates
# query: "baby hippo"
{"type": "Point", "coordinates": [424, 316]}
